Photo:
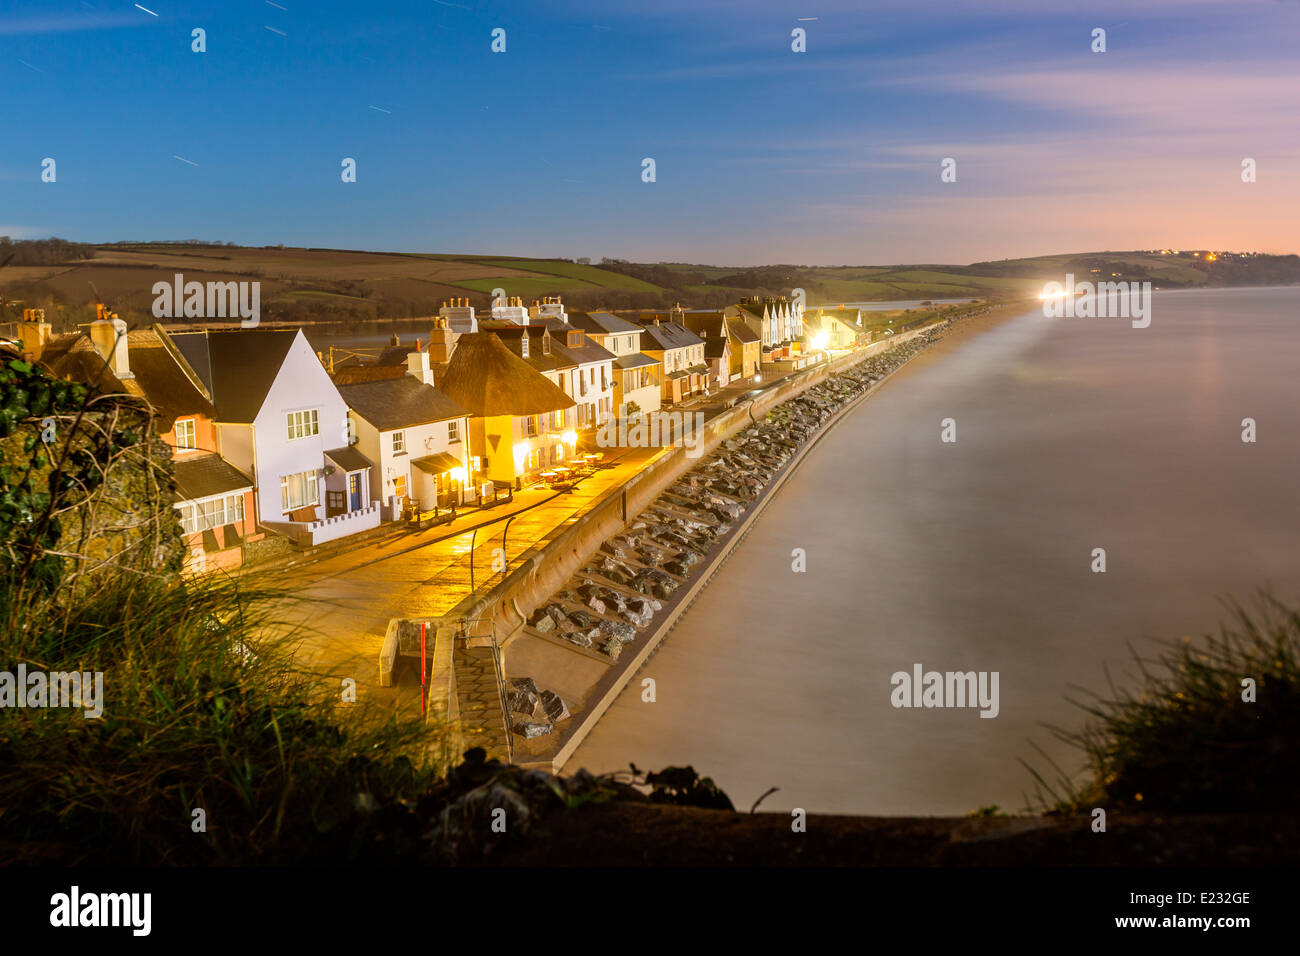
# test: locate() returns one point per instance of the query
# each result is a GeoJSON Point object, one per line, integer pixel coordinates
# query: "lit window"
{"type": "Point", "coordinates": [185, 434]}
{"type": "Point", "coordinates": [303, 424]}
{"type": "Point", "coordinates": [299, 491]}
{"type": "Point", "coordinates": [399, 486]}
{"type": "Point", "coordinates": [205, 515]}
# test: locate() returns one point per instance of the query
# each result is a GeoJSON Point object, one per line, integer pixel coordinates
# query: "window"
{"type": "Point", "coordinates": [299, 491]}
{"type": "Point", "coordinates": [453, 432]}
{"type": "Point", "coordinates": [557, 453]}
{"type": "Point", "coordinates": [204, 515]}
{"type": "Point", "coordinates": [303, 424]}
{"type": "Point", "coordinates": [399, 486]}
{"type": "Point", "coordinates": [523, 345]}
{"type": "Point", "coordinates": [530, 426]}
{"type": "Point", "coordinates": [557, 420]}
{"type": "Point", "coordinates": [185, 434]}
{"type": "Point", "coordinates": [399, 442]}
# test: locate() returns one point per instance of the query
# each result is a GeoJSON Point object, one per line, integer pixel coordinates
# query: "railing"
{"type": "Point", "coordinates": [463, 628]}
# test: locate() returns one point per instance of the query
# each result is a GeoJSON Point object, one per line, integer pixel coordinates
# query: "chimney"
{"type": "Point", "coordinates": [34, 333]}
{"type": "Point", "coordinates": [108, 336]}
{"type": "Point", "coordinates": [417, 364]}
{"type": "Point", "coordinates": [442, 342]}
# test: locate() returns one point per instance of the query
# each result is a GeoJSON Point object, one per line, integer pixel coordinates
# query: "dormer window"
{"type": "Point", "coordinates": [575, 339]}
{"type": "Point", "coordinates": [523, 345]}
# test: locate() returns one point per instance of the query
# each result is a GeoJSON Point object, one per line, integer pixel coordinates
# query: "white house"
{"type": "Point", "coordinates": [280, 420]}
{"type": "Point", "coordinates": [636, 375]}
{"type": "Point", "coordinates": [417, 437]}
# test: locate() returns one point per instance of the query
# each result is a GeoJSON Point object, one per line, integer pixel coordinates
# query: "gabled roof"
{"type": "Point", "coordinates": [488, 379]}
{"type": "Point", "coordinates": [705, 324]}
{"type": "Point", "coordinates": [602, 323]}
{"type": "Point", "coordinates": [400, 403]}
{"type": "Point", "coordinates": [353, 374]}
{"type": "Point", "coordinates": [159, 376]}
{"type": "Point", "coordinates": [238, 366]}
{"type": "Point", "coordinates": [669, 335]}
{"type": "Point", "coordinates": [743, 333]}
{"type": "Point", "coordinates": [716, 346]}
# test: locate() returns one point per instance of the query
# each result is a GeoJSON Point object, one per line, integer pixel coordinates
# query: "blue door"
{"type": "Point", "coordinates": [354, 492]}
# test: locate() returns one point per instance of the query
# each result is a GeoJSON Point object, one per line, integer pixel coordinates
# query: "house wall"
{"type": "Point", "coordinates": [235, 444]}
{"type": "Point", "coordinates": [368, 444]}
{"type": "Point", "coordinates": [205, 435]}
{"type": "Point", "coordinates": [420, 440]}
{"type": "Point", "coordinates": [301, 384]}
{"type": "Point", "coordinates": [647, 398]}
{"type": "Point", "coordinates": [231, 553]}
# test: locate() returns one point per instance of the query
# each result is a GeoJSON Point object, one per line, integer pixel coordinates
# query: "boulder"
{"type": "Point", "coordinates": [618, 630]}
{"type": "Point", "coordinates": [528, 727]}
{"type": "Point", "coordinates": [554, 706]}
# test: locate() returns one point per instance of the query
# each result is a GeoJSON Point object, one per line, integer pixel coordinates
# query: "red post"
{"type": "Point", "coordinates": [424, 700]}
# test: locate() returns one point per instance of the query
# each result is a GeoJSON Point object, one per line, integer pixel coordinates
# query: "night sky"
{"type": "Point", "coordinates": [762, 155]}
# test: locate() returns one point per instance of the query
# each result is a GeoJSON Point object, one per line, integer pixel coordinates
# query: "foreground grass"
{"type": "Point", "coordinates": [203, 711]}
{"type": "Point", "coordinates": [1190, 739]}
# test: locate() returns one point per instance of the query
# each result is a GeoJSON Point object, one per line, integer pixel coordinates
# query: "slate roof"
{"type": "Point", "coordinates": [206, 476]}
{"type": "Point", "coordinates": [348, 458]}
{"type": "Point", "coordinates": [352, 374]}
{"type": "Point", "coordinates": [400, 403]}
{"type": "Point", "coordinates": [715, 346]}
{"type": "Point", "coordinates": [636, 360]}
{"type": "Point", "coordinates": [238, 366]}
{"type": "Point", "coordinates": [602, 322]}
{"type": "Point", "coordinates": [669, 335]}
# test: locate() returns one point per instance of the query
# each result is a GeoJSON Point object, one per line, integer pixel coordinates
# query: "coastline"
{"type": "Point", "coordinates": [958, 334]}
{"type": "Point", "coordinates": [606, 690]}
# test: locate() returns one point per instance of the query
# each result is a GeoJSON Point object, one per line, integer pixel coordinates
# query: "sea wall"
{"type": "Point", "coordinates": [552, 561]}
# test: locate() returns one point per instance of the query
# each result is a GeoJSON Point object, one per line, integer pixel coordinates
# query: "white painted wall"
{"type": "Point", "coordinates": [301, 384]}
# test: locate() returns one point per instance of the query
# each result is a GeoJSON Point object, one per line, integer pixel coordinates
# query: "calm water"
{"type": "Point", "coordinates": [897, 304]}
{"type": "Point", "coordinates": [1072, 434]}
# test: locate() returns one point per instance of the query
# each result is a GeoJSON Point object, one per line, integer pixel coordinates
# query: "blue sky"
{"type": "Point", "coordinates": [762, 155]}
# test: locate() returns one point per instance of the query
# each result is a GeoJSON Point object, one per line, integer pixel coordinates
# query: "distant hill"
{"type": "Point", "coordinates": [356, 286]}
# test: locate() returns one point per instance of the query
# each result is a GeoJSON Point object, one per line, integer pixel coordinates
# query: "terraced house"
{"type": "Point", "coordinates": [517, 413]}
{"type": "Point", "coordinates": [215, 503]}
{"type": "Point", "coordinates": [679, 352]}
{"type": "Point", "coordinates": [637, 376]}
{"type": "Point", "coordinates": [777, 322]}
{"type": "Point", "coordinates": [724, 349]}
{"type": "Point", "coordinates": [280, 420]}
{"type": "Point", "coordinates": [417, 438]}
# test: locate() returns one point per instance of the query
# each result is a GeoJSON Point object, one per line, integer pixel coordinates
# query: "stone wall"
{"type": "Point", "coordinates": [127, 523]}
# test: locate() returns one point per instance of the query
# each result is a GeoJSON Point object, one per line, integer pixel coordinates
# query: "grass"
{"type": "Point", "coordinates": [1187, 740]}
{"type": "Point", "coordinates": [585, 275]}
{"type": "Point", "coordinates": [203, 710]}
